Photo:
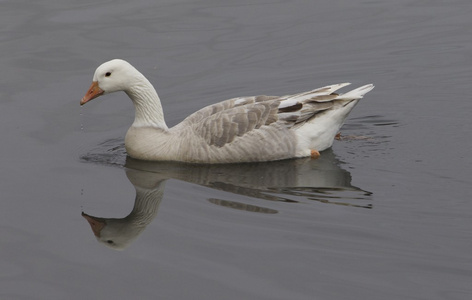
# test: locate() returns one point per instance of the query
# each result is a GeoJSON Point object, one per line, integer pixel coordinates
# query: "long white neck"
{"type": "Point", "coordinates": [147, 105]}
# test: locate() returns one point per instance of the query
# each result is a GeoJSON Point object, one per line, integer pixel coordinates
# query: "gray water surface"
{"type": "Point", "coordinates": [385, 214]}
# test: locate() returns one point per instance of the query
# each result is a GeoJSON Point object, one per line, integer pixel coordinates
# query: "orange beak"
{"type": "Point", "coordinates": [96, 224]}
{"type": "Point", "coordinates": [93, 92]}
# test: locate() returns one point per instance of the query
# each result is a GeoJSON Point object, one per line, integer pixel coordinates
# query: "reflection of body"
{"type": "Point", "coordinates": [289, 180]}
{"type": "Point", "coordinates": [243, 129]}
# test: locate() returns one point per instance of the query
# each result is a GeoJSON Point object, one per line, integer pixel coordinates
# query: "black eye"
{"type": "Point", "coordinates": [110, 242]}
{"type": "Point", "coordinates": [107, 74]}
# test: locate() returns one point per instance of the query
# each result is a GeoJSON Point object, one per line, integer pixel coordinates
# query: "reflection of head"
{"type": "Point", "coordinates": [119, 233]}
{"type": "Point", "coordinates": [114, 233]}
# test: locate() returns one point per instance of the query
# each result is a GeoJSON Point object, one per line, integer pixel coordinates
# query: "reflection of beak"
{"type": "Point", "coordinates": [93, 92]}
{"type": "Point", "coordinates": [96, 224]}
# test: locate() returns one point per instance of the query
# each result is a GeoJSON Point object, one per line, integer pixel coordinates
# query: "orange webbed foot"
{"type": "Point", "coordinates": [314, 154]}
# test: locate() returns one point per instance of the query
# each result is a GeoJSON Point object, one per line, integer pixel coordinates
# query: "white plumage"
{"type": "Point", "coordinates": [243, 129]}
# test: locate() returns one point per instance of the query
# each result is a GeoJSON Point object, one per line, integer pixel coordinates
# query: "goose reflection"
{"type": "Point", "coordinates": [119, 233]}
{"type": "Point", "coordinates": [299, 180]}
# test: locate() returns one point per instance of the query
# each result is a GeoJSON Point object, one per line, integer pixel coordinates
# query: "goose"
{"type": "Point", "coordinates": [238, 130]}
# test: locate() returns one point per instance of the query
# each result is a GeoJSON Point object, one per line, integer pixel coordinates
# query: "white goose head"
{"type": "Point", "coordinates": [113, 76]}
{"type": "Point", "coordinates": [118, 75]}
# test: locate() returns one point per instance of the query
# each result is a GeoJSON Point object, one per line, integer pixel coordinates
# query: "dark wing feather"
{"type": "Point", "coordinates": [221, 123]}
{"type": "Point", "coordinates": [224, 126]}
{"type": "Point", "coordinates": [223, 105]}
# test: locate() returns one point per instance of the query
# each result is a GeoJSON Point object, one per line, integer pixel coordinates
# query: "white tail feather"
{"type": "Point", "coordinates": [357, 93]}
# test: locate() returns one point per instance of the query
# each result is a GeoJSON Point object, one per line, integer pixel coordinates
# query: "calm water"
{"type": "Point", "coordinates": [385, 215]}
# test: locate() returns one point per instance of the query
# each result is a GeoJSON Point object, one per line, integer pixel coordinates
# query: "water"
{"type": "Point", "coordinates": [385, 214]}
